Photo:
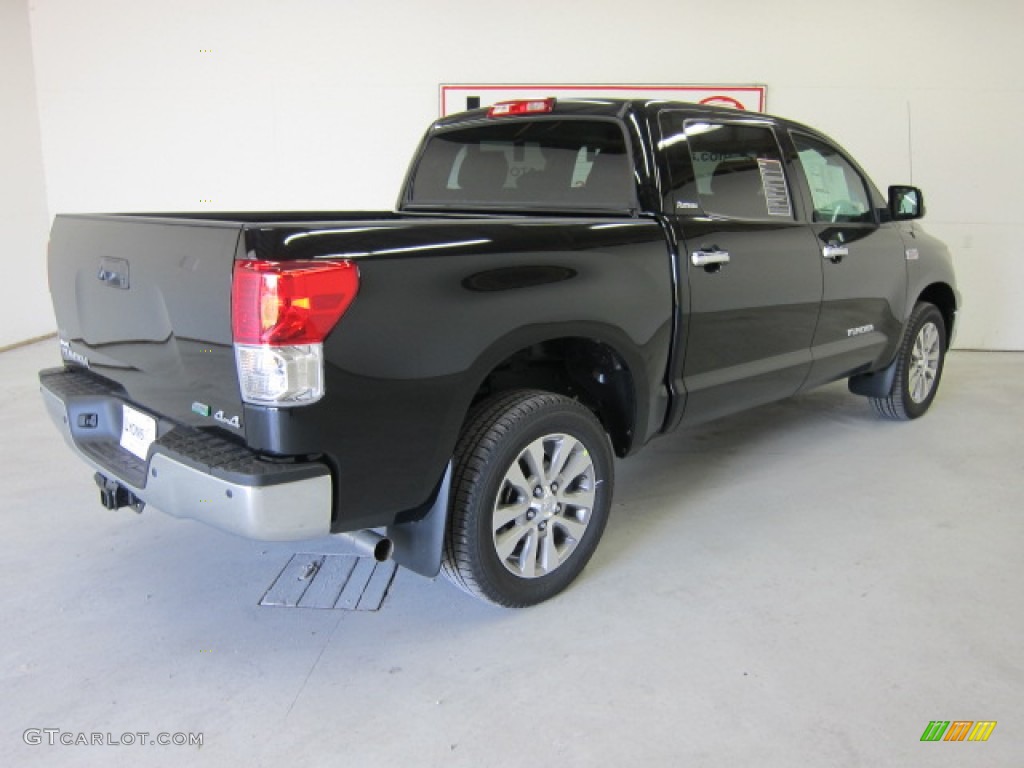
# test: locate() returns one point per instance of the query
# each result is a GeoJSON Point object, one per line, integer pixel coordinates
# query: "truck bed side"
{"type": "Point", "coordinates": [443, 305]}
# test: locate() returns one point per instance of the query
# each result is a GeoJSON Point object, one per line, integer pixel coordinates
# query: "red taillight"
{"type": "Point", "coordinates": [521, 107]}
{"type": "Point", "coordinates": [291, 302]}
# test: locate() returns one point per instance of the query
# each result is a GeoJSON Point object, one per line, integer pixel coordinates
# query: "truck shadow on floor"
{"type": "Point", "coordinates": [685, 472]}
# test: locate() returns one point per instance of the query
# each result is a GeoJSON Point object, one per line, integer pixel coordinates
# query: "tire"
{"type": "Point", "coordinates": [531, 493]}
{"type": "Point", "coordinates": [919, 366]}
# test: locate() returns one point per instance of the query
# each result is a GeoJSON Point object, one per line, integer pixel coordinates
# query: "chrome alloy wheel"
{"type": "Point", "coordinates": [924, 362]}
{"type": "Point", "coordinates": [544, 505]}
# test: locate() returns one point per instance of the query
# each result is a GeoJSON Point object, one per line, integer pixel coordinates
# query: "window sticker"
{"type": "Point", "coordinates": [776, 194]}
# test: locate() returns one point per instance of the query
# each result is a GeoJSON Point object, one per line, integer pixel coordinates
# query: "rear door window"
{"type": "Point", "coordinates": [724, 169]}
{"type": "Point", "coordinates": [547, 164]}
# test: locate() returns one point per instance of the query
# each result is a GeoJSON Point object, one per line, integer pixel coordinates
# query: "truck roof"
{"type": "Point", "coordinates": [602, 107]}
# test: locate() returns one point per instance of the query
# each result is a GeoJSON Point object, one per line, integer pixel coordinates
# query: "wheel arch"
{"type": "Point", "coordinates": [944, 298]}
{"type": "Point", "coordinates": [601, 373]}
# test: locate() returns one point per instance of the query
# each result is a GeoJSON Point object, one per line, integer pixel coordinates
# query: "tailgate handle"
{"type": "Point", "coordinates": [113, 272]}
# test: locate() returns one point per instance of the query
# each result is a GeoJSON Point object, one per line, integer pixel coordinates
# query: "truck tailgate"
{"type": "Point", "coordinates": [146, 303]}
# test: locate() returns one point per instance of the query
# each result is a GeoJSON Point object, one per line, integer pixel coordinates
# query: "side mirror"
{"type": "Point", "coordinates": [905, 203]}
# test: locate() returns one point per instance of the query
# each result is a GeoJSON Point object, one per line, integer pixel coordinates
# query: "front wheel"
{"type": "Point", "coordinates": [918, 366]}
{"type": "Point", "coordinates": [530, 497]}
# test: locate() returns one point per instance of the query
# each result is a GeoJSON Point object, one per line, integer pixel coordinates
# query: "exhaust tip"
{"type": "Point", "coordinates": [383, 550]}
{"type": "Point", "coordinates": [371, 543]}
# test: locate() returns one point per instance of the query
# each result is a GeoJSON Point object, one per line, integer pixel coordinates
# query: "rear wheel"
{"type": "Point", "coordinates": [530, 497]}
{"type": "Point", "coordinates": [918, 366]}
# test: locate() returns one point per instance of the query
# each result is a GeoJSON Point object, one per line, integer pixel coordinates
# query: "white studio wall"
{"type": "Point", "coordinates": [24, 219]}
{"type": "Point", "coordinates": [265, 104]}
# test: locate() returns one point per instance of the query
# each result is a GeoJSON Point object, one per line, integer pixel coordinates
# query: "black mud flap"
{"type": "Point", "coordinates": [419, 544]}
{"type": "Point", "coordinates": [877, 384]}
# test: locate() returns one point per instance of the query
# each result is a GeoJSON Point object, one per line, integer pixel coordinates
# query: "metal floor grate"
{"type": "Point", "coordinates": [340, 582]}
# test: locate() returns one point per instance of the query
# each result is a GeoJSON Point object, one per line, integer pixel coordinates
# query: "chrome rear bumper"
{"type": "Point", "coordinates": [190, 474]}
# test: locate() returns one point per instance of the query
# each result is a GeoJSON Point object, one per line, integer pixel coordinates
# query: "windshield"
{"type": "Point", "coordinates": [551, 164]}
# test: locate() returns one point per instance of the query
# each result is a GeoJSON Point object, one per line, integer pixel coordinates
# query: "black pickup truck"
{"type": "Point", "coordinates": [448, 382]}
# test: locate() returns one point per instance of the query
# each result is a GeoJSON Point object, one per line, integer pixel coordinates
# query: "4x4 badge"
{"type": "Point", "coordinates": [232, 422]}
{"type": "Point", "coordinates": [204, 410]}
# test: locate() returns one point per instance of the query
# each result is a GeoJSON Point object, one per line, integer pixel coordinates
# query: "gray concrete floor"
{"type": "Point", "coordinates": [801, 585]}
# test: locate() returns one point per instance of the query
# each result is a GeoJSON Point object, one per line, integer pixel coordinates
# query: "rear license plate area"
{"type": "Point", "coordinates": [138, 431]}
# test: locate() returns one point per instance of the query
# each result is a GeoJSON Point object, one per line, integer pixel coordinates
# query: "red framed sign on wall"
{"type": "Point", "coordinates": [463, 96]}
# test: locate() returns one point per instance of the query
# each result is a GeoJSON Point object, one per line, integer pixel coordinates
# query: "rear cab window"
{"type": "Point", "coordinates": [536, 164]}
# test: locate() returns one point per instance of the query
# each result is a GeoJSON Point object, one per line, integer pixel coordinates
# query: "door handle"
{"type": "Point", "coordinates": [707, 258]}
{"type": "Point", "coordinates": [835, 253]}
